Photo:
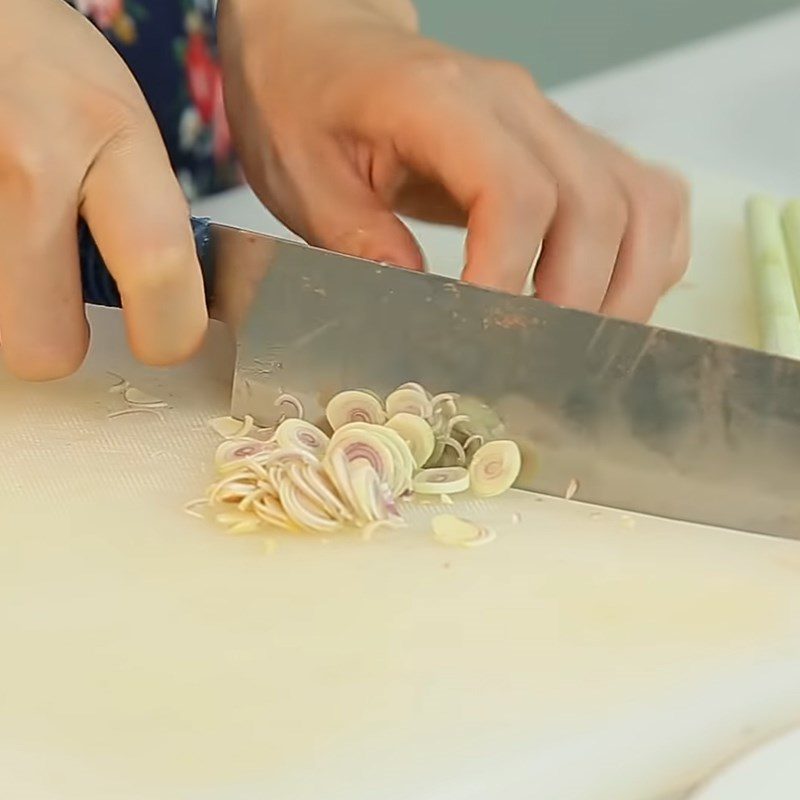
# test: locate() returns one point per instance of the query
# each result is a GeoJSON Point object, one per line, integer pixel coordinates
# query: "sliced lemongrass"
{"type": "Point", "coordinates": [246, 503]}
{"type": "Point", "coordinates": [417, 387]}
{"type": "Point", "coordinates": [238, 522]}
{"type": "Point", "coordinates": [457, 448]}
{"type": "Point", "coordinates": [303, 512]}
{"type": "Point", "coordinates": [230, 491]}
{"type": "Point", "coordinates": [366, 490]}
{"type": "Point", "coordinates": [230, 427]}
{"type": "Point", "coordinates": [457, 532]}
{"type": "Point", "coordinates": [347, 407]}
{"type": "Point", "coordinates": [441, 480]}
{"type": "Point", "coordinates": [298, 433]}
{"type": "Point", "coordinates": [120, 386]}
{"type": "Point", "coordinates": [436, 457]}
{"type": "Point", "coordinates": [402, 461]}
{"type": "Point", "coordinates": [142, 410]}
{"type": "Point", "coordinates": [572, 489]}
{"type": "Point", "coordinates": [408, 401]}
{"type": "Point", "coordinates": [313, 482]}
{"type": "Point", "coordinates": [364, 444]}
{"type": "Point", "coordinates": [136, 397]}
{"type": "Point", "coordinates": [369, 530]}
{"type": "Point", "coordinates": [233, 451]}
{"type": "Point", "coordinates": [453, 422]}
{"type": "Point", "coordinates": [270, 511]}
{"type": "Point", "coordinates": [476, 440]}
{"type": "Point", "coordinates": [494, 468]}
{"type": "Point", "coordinates": [191, 507]}
{"type": "Point", "coordinates": [284, 456]}
{"type": "Point", "coordinates": [482, 419]}
{"type": "Point", "coordinates": [446, 403]}
{"type": "Point", "coordinates": [337, 468]}
{"type": "Point", "coordinates": [405, 463]}
{"type": "Point", "coordinates": [290, 401]}
{"type": "Point", "coordinates": [416, 433]}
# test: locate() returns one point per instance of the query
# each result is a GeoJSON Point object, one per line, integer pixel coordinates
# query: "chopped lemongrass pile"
{"type": "Point", "coordinates": [297, 477]}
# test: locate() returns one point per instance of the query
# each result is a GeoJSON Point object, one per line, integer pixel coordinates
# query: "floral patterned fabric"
{"type": "Point", "coordinates": [170, 47]}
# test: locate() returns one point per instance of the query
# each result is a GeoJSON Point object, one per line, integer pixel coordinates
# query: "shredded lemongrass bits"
{"type": "Point", "coordinates": [128, 411]}
{"type": "Point", "coordinates": [136, 397]}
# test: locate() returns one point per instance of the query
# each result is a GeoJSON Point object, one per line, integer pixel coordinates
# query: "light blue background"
{"type": "Point", "coordinates": [560, 40]}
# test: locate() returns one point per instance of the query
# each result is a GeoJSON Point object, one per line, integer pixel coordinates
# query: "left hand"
{"type": "Point", "coordinates": [343, 115]}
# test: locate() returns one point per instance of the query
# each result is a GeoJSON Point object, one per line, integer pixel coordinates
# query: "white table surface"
{"type": "Point", "coordinates": [725, 105]}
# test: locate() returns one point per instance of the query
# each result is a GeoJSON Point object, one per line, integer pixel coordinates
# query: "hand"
{"type": "Point", "coordinates": [342, 115]}
{"type": "Point", "coordinates": [77, 139]}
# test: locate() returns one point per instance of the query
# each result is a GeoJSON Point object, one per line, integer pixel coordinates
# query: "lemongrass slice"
{"type": "Point", "coordinates": [233, 451]}
{"type": "Point", "coordinates": [337, 467]}
{"type": "Point", "coordinates": [353, 406]}
{"type": "Point", "coordinates": [436, 457]}
{"type": "Point", "coordinates": [416, 433]}
{"type": "Point", "coordinates": [300, 434]}
{"type": "Point", "coordinates": [290, 401]}
{"type": "Point", "coordinates": [446, 403]}
{"type": "Point", "coordinates": [366, 490]}
{"type": "Point", "coordinates": [303, 512]}
{"type": "Point", "coordinates": [230, 427]}
{"type": "Point", "coordinates": [403, 464]}
{"type": "Point", "coordinates": [136, 397]}
{"type": "Point", "coordinates": [444, 480]}
{"type": "Point", "coordinates": [476, 440]}
{"type": "Point", "coordinates": [315, 483]}
{"type": "Point", "coordinates": [270, 511]}
{"type": "Point", "coordinates": [366, 444]}
{"type": "Point", "coordinates": [457, 448]}
{"type": "Point", "coordinates": [408, 401]}
{"type": "Point", "coordinates": [120, 386]}
{"type": "Point", "coordinates": [457, 532]}
{"type": "Point", "coordinates": [494, 468]}
{"type": "Point", "coordinates": [417, 387]}
{"type": "Point", "coordinates": [238, 522]}
{"type": "Point", "coordinates": [453, 422]}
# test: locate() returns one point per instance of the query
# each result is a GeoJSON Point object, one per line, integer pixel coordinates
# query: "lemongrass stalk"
{"type": "Point", "coordinates": [791, 235]}
{"type": "Point", "coordinates": [777, 307]}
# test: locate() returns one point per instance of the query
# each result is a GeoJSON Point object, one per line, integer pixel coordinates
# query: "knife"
{"type": "Point", "coordinates": [638, 418]}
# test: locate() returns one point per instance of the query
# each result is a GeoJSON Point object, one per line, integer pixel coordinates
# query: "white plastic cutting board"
{"type": "Point", "coordinates": [772, 772]}
{"type": "Point", "coordinates": [584, 655]}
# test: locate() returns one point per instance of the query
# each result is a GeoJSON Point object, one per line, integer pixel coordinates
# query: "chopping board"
{"type": "Point", "coordinates": [585, 654]}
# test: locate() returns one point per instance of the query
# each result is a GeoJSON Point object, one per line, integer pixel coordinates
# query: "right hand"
{"type": "Point", "coordinates": [77, 140]}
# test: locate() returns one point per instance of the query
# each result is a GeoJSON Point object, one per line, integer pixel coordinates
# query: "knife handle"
{"type": "Point", "coordinates": [100, 289]}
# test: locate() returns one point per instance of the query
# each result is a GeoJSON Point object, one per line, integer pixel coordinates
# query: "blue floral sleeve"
{"type": "Point", "coordinates": [170, 46]}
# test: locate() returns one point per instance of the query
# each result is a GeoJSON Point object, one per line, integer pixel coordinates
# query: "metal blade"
{"type": "Point", "coordinates": [643, 419]}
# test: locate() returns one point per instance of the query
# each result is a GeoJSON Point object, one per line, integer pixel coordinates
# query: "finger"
{"type": "Point", "coordinates": [43, 330]}
{"type": "Point", "coordinates": [139, 219]}
{"type": "Point", "coordinates": [654, 253]}
{"type": "Point", "coordinates": [508, 196]}
{"type": "Point", "coordinates": [339, 211]}
{"type": "Point", "coordinates": [580, 251]}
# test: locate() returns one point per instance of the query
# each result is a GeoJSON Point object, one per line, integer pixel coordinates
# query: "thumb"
{"type": "Point", "coordinates": [346, 216]}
